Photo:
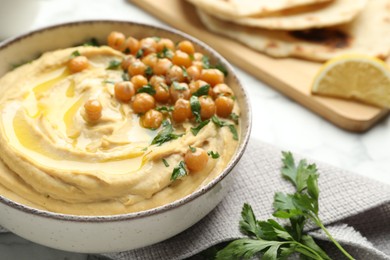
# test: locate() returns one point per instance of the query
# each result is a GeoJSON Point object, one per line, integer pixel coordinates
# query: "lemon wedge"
{"type": "Point", "coordinates": [357, 77]}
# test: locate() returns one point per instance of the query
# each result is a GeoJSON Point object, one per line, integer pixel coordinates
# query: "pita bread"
{"type": "Point", "coordinates": [240, 8]}
{"type": "Point", "coordinates": [313, 16]}
{"type": "Point", "coordinates": [367, 34]}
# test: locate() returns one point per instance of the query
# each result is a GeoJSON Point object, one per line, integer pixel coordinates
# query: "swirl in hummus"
{"type": "Point", "coordinates": [55, 158]}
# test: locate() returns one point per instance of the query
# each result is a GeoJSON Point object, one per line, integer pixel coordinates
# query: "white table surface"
{"type": "Point", "coordinates": [276, 119]}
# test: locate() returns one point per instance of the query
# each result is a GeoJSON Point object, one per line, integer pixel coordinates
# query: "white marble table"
{"type": "Point", "coordinates": [277, 120]}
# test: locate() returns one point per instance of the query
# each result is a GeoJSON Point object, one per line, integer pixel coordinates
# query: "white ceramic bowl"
{"type": "Point", "coordinates": [96, 234]}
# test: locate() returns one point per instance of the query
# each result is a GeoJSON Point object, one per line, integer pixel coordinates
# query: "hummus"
{"type": "Point", "coordinates": [53, 159]}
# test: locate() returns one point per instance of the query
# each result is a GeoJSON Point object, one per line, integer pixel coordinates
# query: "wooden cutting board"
{"type": "Point", "coordinates": [290, 76]}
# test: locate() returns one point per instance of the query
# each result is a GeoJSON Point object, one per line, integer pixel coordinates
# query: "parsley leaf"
{"type": "Point", "coordinates": [271, 240]}
{"type": "Point", "coordinates": [203, 90]}
{"type": "Point", "coordinates": [165, 53]}
{"type": "Point", "coordinates": [185, 73]}
{"type": "Point", "coordinates": [179, 171]}
{"type": "Point", "coordinates": [165, 162]}
{"type": "Point", "coordinates": [195, 130]}
{"type": "Point", "coordinates": [214, 155]}
{"type": "Point", "coordinates": [164, 109]}
{"type": "Point", "coordinates": [221, 123]}
{"type": "Point", "coordinates": [178, 86]}
{"type": "Point", "coordinates": [114, 64]}
{"type": "Point", "coordinates": [234, 117]}
{"type": "Point", "coordinates": [195, 108]}
{"type": "Point", "coordinates": [206, 62]}
{"type": "Point", "coordinates": [192, 149]}
{"type": "Point", "coordinates": [149, 71]}
{"type": "Point", "coordinates": [166, 134]}
{"type": "Point", "coordinates": [75, 54]}
{"type": "Point", "coordinates": [92, 42]}
{"type": "Point", "coordinates": [147, 89]}
{"type": "Point", "coordinates": [222, 68]}
{"type": "Point", "coordinates": [125, 76]}
{"type": "Point", "coordinates": [139, 53]}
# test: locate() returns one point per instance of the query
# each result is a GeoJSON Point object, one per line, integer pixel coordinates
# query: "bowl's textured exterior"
{"type": "Point", "coordinates": [99, 234]}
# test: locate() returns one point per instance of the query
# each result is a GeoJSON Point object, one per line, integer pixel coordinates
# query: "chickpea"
{"type": "Point", "coordinates": [155, 80]}
{"type": "Point", "coordinates": [78, 64]}
{"type": "Point", "coordinates": [181, 110]}
{"type": "Point", "coordinates": [138, 81]}
{"type": "Point", "coordinates": [165, 43]}
{"type": "Point", "coordinates": [127, 61]}
{"type": "Point", "coordinates": [197, 160]}
{"type": "Point", "coordinates": [124, 91]}
{"type": "Point", "coordinates": [198, 56]}
{"type": "Point", "coordinates": [162, 66]}
{"type": "Point", "coordinates": [207, 107]}
{"type": "Point", "coordinates": [179, 90]}
{"type": "Point", "coordinates": [195, 85]}
{"type": "Point", "coordinates": [133, 45]}
{"type": "Point", "coordinates": [152, 119]}
{"type": "Point", "coordinates": [175, 73]}
{"type": "Point", "coordinates": [162, 92]}
{"type": "Point", "coordinates": [198, 64]}
{"type": "Point", "coordinates": [93, 110]}
{"type": "Point", "coordinates": [181, 58]}
{"type": "Point", "coordinates": [221, 90]}
{"type": "Point", "coordinates": [116, 40]}
{"type": "Point", "coordinates": [143, 102]}
{"type": "Point", "coordinates": [187, 47]}
{"type": "Point", "coordinates": [150, 60]}
{"type": "Point", "coordinates": [148, 45]}
{"type": "Point", "coordinates": [137, 67]}
{"type": "Point", "coordinates": [193, 72]}
{"type": "Point", "coordinates": [212, 76]}
{"type": "Point", "coordinates": [224, 106]}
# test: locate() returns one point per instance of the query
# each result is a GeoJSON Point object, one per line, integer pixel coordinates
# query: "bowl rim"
{"type": "Point", "coordinates": [161, 209]}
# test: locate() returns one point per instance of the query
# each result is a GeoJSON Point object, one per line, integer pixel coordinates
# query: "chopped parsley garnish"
{"type": "Point", "coordinates": [203, 90]}
{"type": "Point", "coordinates": [221, 123]}
{"type": "Point", "coordinates": [165, 53]}
{"type": "Point", "coordinates": [192, 149]}
{"type": "Point", "coordinates": [206, 62]}
{"type": "Point", "coordinates": [165, 109]}
{"type": "Point", "coordinates": [114, 64]}
{"type": "Point", "coordinates": [149, 71]}
{"type": "Point", "coordinates": [147, 89]}
{"type": "Point", "coordinates": [165, 162]}
{"type": "Point", "coordinates": [125, 76]}
{"type": "Point", "coordinates": [179, 171]}
{"type": "Point", "coordinates": [156, 38]}
{"type": "Point", "coordinates": [75, 54]}
{"type": "Point", "coordinates": [220, 67]}
{"type": "Point", "coordinates": [234, 117]}
{"type": "Point", "coordinates": [214, 155]}
{"type": "Point", "coordinates": [107, 81]}
{"type": "Point", "coordinates": [166, 134]}
{"type": "Point", "coordinates": [92, 42]}
{"type": "Point", "coordinates": [185, 73]}
{"type": "Point", "coordinates": [195, 108]}
{"type": "Point", "coordinates": [177, 86]}
{"type": "Point", "coordinates": [139, 53]}
{"type": "Point", "coordinates": [195, 130]}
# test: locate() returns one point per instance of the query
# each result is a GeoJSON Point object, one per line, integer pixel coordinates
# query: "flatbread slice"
{"type": "Point", "coordinates": [240, 8]}
{"type": "Point", "coordinates": [305, 17]}
{"type": "Point", "coordinates": [367, 34]}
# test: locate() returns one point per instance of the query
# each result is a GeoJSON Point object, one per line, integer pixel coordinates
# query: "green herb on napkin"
{"type": "Point", "coordinates": [272, 240]}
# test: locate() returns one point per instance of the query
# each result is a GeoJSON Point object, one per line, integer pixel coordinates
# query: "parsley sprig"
{"type": "Point", "coordinates": [272, 240]}
{"type": "Point", "coordinates": [166, 134]}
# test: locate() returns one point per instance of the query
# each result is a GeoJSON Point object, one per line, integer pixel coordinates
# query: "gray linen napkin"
{"type": "Point", "coordinates": [356, 210]}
